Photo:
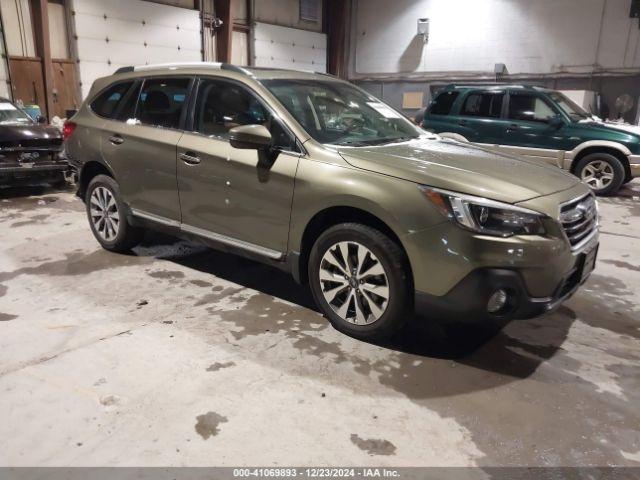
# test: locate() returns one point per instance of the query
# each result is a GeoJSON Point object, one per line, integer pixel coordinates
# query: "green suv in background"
{"type": "Point", "coordinates": [540, 124]}
{"type": "Point", "coordinates": [311, 175]}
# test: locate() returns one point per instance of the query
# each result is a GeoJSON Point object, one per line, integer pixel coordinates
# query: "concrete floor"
{"type": "Point", "coordinates": [179, 355]}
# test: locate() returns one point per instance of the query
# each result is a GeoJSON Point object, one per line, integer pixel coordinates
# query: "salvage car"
{"type": "Point", "coordinates": [312, 175]}
{"type": "Point", "coordinates": [29, 149]}
{"type": "Point", "coordinates": [542, 125]}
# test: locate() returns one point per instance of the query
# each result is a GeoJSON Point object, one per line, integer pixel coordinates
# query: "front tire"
{"type": "Point", "coordinates": [360, 279]}
{"type": "Point", "coordinates": [107, 216]}
{"type": "Point", "coordinates": [603, 172]}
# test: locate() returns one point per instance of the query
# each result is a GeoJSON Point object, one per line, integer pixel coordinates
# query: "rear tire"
{"type": "Point", "coordinates": [369, 294]}
{"type": "Point", "coordinates": [603, 172]}
{"type": "Point", "coordinates": [107, 216]}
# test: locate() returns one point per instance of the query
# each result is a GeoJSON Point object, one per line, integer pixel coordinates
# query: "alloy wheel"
{"type": "Point", "coordinates": [104, 213]}
{"type": "Point", "coordinates": [598, 174]}
{"type": "Point", "coordinates": [354, 283]}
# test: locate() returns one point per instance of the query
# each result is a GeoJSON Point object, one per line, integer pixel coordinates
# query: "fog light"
{"type": "Point", "coordinates": [497, 301]}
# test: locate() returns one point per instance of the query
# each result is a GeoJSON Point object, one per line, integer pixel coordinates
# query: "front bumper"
{"type": "Point", "coordinates": [467, 301]}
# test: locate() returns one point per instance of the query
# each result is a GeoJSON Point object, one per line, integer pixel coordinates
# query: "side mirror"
{"type": "Point", "coordinates": [41, 119]}
{"type": "Point", "coordinates": [556, 121]}
{"type": "Point", "coordinates": [253, 137]}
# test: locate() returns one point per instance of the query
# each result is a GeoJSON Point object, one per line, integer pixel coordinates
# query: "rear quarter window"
{"type": "Point", "coordinates": [106, 104]}
{"type": "Point", "coordinates": [443, 103]}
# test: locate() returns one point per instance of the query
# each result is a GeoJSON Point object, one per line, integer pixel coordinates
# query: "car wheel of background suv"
{"type": "Point", "coordinates": [360, 279]}
{"type": "Point", "coordinates": [603, 172]}
{"type": "Point", "coordinates": [107, 216]}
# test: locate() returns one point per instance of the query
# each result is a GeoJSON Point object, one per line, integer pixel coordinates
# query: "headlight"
{"type": "Point", "coordinates": [485, 216]}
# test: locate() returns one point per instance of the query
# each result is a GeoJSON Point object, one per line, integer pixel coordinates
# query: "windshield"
{"type": "Point", "coordinates": [340, 114]}
{"type": "Point", "coordinates": [575, 111]}
{"type": "Point", "coordinates": [10, 114]}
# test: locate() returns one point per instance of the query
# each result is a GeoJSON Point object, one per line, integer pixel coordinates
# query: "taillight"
{"type": "Point", "coordinates": [67, 129]}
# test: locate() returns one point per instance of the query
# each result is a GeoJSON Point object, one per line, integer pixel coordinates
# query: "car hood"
{"type": "Point", "coordinates": [632, 131]}
{"type": "Point", "coordinates": [17, 133]}
{"type": "Point", "coordinates": [459, 167]}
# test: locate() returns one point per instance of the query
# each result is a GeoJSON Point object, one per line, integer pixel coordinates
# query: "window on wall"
{"type": "Point", "coordinates": [240, 48]}
{"type": "Point", "coordinates": [221, 105]}
{"type": "Point", "coordinates": [162, 101]}
{"type": "Point", "coordinates": [483, 104]}
{"type": "Point", "coordinates": [529, 108]}
{"type": "Point", "coordinates": [18, 28]}
{"type": "Point", "coordinates": [106, 104]}
{"type": "Point", "coordinates": [309, 10]}
{"type": "Point", "coordinates": [58, 30]}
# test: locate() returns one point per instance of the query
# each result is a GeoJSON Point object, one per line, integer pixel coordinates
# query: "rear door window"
{"type": "Point", "coordinates": [529, 108]}
{"type": "Point", "coordinates": [162, 101]}
{"type": "Point", "coordinates": [443, 103]}
{"type": "Point", "coordinates": [483, 104]}
{"type": "Point", "coordinates": [106, 104]}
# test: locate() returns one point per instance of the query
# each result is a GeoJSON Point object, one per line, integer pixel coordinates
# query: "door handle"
{"type": "Point", "coordinates": [462, 122]}
{"type": "Point", "coordinates": [189, 158]}
{"type": "Point", "coordinates": [512, 127]}
{"type": "Point", "coordinates": [116, 140]}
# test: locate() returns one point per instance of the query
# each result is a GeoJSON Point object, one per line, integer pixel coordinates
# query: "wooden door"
{"type": "Point", "coordinates": [27, 82]}
{"type": "Point", "coordinates": [65, 87]}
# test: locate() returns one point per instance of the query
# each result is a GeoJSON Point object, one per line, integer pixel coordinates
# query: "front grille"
{"type": "Point", "coordinates": [579, 218]}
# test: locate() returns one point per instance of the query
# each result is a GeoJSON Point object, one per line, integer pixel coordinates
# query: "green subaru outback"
{"type": "Point", "coordinates": [311, 175]}
{"type": "Point", "coordinates": [539, 124]}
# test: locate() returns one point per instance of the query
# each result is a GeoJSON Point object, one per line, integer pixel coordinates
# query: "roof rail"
{"type": "Point", "coordinates": [175, 66]}
{"type": "Point", "coordinates": [124, 70]}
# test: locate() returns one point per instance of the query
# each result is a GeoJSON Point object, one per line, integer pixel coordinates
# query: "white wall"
{"type": "Point", "coordinates": [283, 47]}
{"type": "Point", "coordinates": [529, 36]}
{"type": "Point", "coordinates": [168, 34]}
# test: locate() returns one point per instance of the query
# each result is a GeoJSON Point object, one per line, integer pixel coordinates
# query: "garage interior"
{"type": "Point", "coordinates": [177, 355]}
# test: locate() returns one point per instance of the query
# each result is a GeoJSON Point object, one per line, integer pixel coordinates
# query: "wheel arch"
{"type": "Point", "coordinates": [618, 150]}
{"type": "Point", "coordinates": [334, 215]}
{"type": "Point", "coordinates": [88, 172]}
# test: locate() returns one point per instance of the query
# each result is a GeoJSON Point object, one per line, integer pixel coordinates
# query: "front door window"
{"type": "Point", "coordinates": [222, 105]}
{"type": "Point", "coordinates": [529, 108]}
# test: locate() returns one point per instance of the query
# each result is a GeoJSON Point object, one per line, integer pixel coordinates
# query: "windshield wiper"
{"type": "Point", "coordinates": [372, 142]}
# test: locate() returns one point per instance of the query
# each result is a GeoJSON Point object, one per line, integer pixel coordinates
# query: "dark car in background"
{"type": "Point", "coordinates": [29, 149]}
{"type": "Point", "coordinates": [542, 125]}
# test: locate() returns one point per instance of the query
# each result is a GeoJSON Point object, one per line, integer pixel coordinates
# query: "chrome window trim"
{"type": "Point", "coordinates": [224, 239]}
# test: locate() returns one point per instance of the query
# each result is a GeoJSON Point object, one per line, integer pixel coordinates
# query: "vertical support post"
{"type": "Point", "coordinates": [336, 20]}
{"type": "Point", "coordinates": [5, 58]}
{"type": "Point", "coordinates": [251, 39]}
{"type": "Point", "coordinates": [224, 34]}
{"type": "Point", "coordinates": [43, 46]}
